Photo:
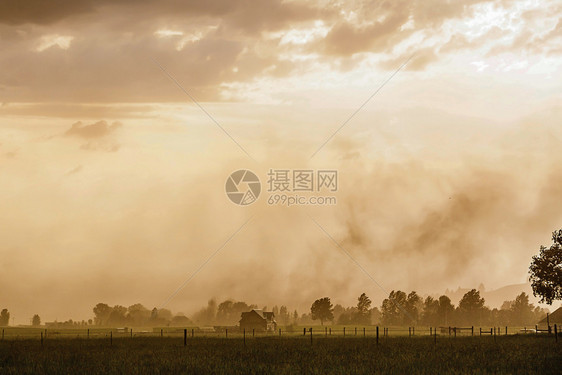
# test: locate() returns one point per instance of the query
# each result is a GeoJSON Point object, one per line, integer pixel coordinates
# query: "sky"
{"type": "Point", "coordinates": [120, 122]}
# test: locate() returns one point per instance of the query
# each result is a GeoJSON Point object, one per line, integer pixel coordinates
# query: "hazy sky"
{"type": "Point", "coordinates": [112, 180]}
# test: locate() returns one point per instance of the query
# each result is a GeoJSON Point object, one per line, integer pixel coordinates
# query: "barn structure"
{"type": "Point", "coordinates": [258, 320]}
{"type": "Point", "coordinates": [552, 319]}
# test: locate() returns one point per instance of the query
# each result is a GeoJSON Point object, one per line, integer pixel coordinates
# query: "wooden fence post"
{"type": "Point", "coordinates": [430, 331]}
{"type": "Point", "coordinates": [131, 333]}
{"type": "Point", "coordinates": [480, 331]}
{"type": "Point", "coordinates": [310, 335]}
{"type": "Point", "coordinates": [304, 331]}
{"type": "Point", "coordinates": [110, 338]}
{"type": "Point", "coordinates": [41, 338]}
{"type": "Point", "coordinates": [185, 337]}
{"type": "Point", "coordinates": [377, 335]}
{"type": "Point", "coordinates": [455, 331]}
{"type": "Point", "coordinates": [326, 328]}
{"type": "Point", "coordinates": [435, 336]}
{"type": "Point", "coordinates": [472, 331]}
{"type": "Point", "coordinates": [555, 332]}
{"type": "Point", "coordinates": [253, 332]}
{"type": "Point", "coordinates": [2, 334]}
{"type": "Point", "coordinates": [343, 331]}
{"type": "Point", "coordinates": [506, 330]}
{"type": "Point", "coordinates": [364, 334]}
{"type": "Point", "coordinates": [88, 334]}
{"type": "Point", "coordinates": [409, 331]}
{"type": "Point", "coordinates": [161, 332]}
{"type": "Point", "coordinates": [355, 331]}
{"type": "Point", "coordinates": [536, 329]}
{"type": "Point", "coordinates": [449, 331]}
{"type": "Point", "coordinates": [330, 331]}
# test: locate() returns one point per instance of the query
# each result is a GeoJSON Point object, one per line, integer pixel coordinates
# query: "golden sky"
{"type": "Point", "coordinates": [112, 179]}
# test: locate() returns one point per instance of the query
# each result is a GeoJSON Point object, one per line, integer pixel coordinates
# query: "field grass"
{"type": "Point", "coordinates": [515, 354]}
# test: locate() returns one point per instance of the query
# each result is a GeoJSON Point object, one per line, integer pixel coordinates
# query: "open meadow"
{"type": "Point", "coordinates": [296, 354]}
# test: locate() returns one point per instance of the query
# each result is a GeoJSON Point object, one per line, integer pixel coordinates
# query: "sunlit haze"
{"type": "Point", "coordinates": [112, 179]}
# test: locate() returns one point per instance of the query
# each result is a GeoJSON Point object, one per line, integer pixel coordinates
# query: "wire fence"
{"type": "Point", "coordinates": [377, 332]}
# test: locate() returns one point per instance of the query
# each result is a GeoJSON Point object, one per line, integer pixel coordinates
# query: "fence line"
{"type": "Point", "coordinates": [9, 333]}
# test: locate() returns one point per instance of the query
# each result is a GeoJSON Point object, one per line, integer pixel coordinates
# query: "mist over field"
{"type": "Point", "coordinates": [112, 181]}
{"type": "Point", "coordinates": [130, 226]}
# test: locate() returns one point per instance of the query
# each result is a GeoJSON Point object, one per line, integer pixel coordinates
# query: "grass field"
{"type": "Point", "coordinates": [515, 354]}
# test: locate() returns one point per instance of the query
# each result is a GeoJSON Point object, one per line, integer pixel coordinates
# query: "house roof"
{"type": "Point", "coordinates": [555, 317]}
{"type": "Point", "coordinates": [265, 315]}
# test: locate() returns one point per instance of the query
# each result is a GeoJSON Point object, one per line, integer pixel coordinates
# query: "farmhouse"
{"type": "Point", "coordinates": [258, 320]}
{"type": "Point", "coordinates": [554, 318]}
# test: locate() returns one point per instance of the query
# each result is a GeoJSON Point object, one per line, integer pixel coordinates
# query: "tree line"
{"type": "Point", "coordinates": [399, 309]}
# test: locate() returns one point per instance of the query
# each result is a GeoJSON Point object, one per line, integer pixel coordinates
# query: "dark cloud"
{"type": "Point", "coordinates": [96, 130]}
{"type": "Point", "coordinates": [97, 136]}
{"type": "Point", "coordinates": [111, 44]}
{"type": "Point", "coordinates": [103, 68]}
{"type": "Point", "coordinates": [109, 57]}
{"type": "Point", "coordinates": [245, 14]}
{"type": "Point", "coordinates": [38, 11]}
{"type": "Point", "coordinates": [16, 12]}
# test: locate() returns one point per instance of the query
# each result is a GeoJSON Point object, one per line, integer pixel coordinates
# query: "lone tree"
{"type": "Point", "coordinates": [363, 309]}
{"type": "Point", "coordinates": [471, 307]}
{"type": "Point", "coordinates": [471, 301]}
{"type": "Point", "coordinates": [101, 313]}
{"type": "Point", "coordinates": [36, 321]}
{"type": "Point", "coordinates": [322, 309]}
{"type": "Point", "coordinates": [546, 271]}
{"type": "Point", "coordinates": [4, 318]}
